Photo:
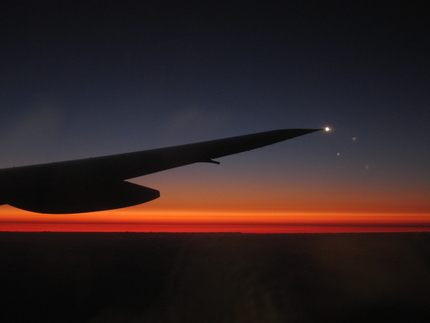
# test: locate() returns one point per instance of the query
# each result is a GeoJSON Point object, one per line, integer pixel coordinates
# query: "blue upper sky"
{"type": "Point", "coordinates": [89, 78]}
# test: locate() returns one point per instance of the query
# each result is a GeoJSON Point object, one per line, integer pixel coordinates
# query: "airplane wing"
{"type": "Point", "coordinates": [96, 184]}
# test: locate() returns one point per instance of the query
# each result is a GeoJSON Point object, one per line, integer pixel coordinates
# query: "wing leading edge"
{"type": "Point", "coordinates": [96, 184]}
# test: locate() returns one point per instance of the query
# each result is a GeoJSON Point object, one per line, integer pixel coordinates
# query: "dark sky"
{"type": "Point", "coordinates": [81, 79]}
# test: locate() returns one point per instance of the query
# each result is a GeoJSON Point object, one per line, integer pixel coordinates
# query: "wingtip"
{"type": "Point", "coordinates": [325, 129]}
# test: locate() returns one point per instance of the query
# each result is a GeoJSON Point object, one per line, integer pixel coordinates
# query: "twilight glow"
{"type": "Point", "coordinates": [78, 82]}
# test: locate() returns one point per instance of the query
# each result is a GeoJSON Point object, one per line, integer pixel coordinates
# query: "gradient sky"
{"type": "Point", "coordinates": [81, 79]}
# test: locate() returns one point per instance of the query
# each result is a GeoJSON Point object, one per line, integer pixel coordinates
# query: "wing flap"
{"type": "Point", "coordinates": [67, 198]}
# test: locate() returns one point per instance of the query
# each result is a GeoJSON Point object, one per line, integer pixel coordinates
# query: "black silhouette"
{"type": "Point", "coordinates": [96, 184]}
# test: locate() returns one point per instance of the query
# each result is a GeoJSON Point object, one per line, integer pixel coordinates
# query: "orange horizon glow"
{"type": "Point", "coordinates": [168, 220]}
{"type": "Point", "coordinates": [262, 203]}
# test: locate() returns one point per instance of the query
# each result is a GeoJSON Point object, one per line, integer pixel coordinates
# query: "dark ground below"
{"type": "Point", "coordinates": [218, 277]}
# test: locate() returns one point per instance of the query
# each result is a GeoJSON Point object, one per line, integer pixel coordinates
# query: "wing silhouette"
{"type": "Point", "coordinates": [96, 184]}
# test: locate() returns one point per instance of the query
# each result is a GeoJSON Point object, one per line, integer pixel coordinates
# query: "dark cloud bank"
{"type": "Point", "coordinates": [144, 277]}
